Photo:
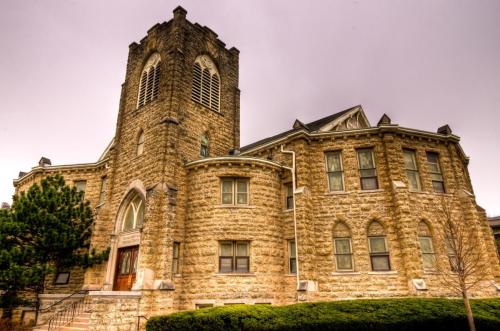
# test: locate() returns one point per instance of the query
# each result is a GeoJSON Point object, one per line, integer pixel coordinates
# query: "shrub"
{"type": "Point", "coordinates": [355, 315]}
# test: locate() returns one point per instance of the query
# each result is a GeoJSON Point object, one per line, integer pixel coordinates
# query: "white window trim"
{"type": "Point", "coordinates": [234, 193]}
{"type": "Point", "coordinates": [416, 170]}
{"type": "Point", "coordinates": [433, 254]}
{"type": "Point", "coordinates": [384, 253]}
{"type": "Point", "coordinates": [335, 254]}
{"type": "Point", "coordinates": [372, 150]}
{"type": "Point", "coordinates": [341, 171]}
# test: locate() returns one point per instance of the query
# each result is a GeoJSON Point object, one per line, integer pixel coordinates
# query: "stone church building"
{"type": "Point", "coordinates": [332, 209]}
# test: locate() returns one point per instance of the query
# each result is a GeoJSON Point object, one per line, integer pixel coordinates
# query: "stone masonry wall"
{"type": "Point", "coordinates": [92, 174]}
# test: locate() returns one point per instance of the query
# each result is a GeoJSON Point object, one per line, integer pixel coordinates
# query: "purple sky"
{"type": "Point", "coordinates": [424, 63]}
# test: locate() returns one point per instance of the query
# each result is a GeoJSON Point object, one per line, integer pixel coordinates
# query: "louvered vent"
{"type": "Point", "coordinates": [149, 87]}
{"type": "Point", "coordinates": [156, 84]}
{"type": "Point", "coordinates": [205, 88]}
{"type": "Point", "coordinates": [214, 93]}
{"type": "Point", "coordinates": [196, 93]}
{"type": "Point", "coordinates": [206, 83]}
{"type": "Point", "coordinates": [142, 89]}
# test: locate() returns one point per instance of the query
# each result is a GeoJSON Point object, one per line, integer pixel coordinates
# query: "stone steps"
{"type": "Point", "coordinates": [79, 323]}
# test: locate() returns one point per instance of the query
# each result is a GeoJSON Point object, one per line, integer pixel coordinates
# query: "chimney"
{"type": "Point", "coordinates": [44, 162]}
{"type": "Point", "coordinates": [445, 129]}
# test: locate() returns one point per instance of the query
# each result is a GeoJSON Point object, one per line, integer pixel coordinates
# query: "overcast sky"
{"type": "Point", "coordinates": [424, 63]}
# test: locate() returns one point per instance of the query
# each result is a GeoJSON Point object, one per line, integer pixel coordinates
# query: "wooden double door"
{"type": "Point", "coordinates": [126, 268]}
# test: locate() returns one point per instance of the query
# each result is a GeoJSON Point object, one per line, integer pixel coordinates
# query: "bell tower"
{"type": "Point", "coordinates": [179, 103]}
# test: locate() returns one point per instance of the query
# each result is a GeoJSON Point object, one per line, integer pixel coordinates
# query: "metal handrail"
{"type": "Point", "coordinates": [68, 313]}
{"type": "Point", "coordinates": [41, 310]}
{"type": "Point", "coordinates": [139, 320]}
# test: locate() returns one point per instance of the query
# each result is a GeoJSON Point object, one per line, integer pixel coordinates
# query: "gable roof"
{"type": "Point", "coordinates": [309, 127]}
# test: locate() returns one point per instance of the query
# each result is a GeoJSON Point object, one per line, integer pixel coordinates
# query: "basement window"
{"type": "Point", "coordinates": [62, 278]}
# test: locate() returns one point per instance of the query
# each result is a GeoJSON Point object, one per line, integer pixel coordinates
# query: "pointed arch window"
{"type": "Point", "coordinates": [140, 143]}
{"type": "Point", "coordinates": [426, 247]}
{"type": "Point", "coordinates": [204, 145]}
{"type": "Point", "coordinates": [134, 214]}
{"type": "Point", "coordinates": [342, 243]}
{"type": "Point", "coordinates": [377, 246]}
{"type": "Point", "coordinates": [206, 83]}
{"type": "Point", "coordinates": [150, 80]}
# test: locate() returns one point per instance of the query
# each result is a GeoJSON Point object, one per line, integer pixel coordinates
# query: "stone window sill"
{"type": "Point", "coordinates": [230, 274]}
{"type": "Point", "coordinates": [235, 206]}
{"type": "Point", "coordinates": [178, 276]}
{"type": "Point", "coordinates": [382, 273]}
{"type": "Point", "coordinates": [346, 273]}
{"type": "Point", "coordinates": [431, 272]}
{"type": "Point", "coordinates": [371, 191]}
{"type": "Point", "coordinates": [291, 275]}
{"type": "Point", "coordinates": [336, 193]}
{"type": "Point", "coordinates": [287, 210]}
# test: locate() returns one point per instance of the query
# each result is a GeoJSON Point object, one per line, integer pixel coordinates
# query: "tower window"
{"type": "Point", "coordinates": [140, 144]}
{"type": "Point", "coordinates": [411, 169]}
{"type": "Point", "coordinates": [206, 83]}
{"type": "Point", "coordinates": [204, 145]}
{"type": "Point", "coordinates": [435, 172]}
{"type": "Point", "coordinates": [150, 80]}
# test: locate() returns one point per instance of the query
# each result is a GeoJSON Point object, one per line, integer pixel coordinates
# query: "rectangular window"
{"type": "Point", "coordinates": [412, 169]}
{"type": "Point", "coordinates": [234, 257]}
{"type": "Point", "coordinates": [343, 254]}
{"type": "Point", "coordinates": [292, 258]}
{"type": "Point", "coordinates": [451, 251]}
{"type": "Point", "coordinates": [62, 278]}
{"type": "Point", "coordinates": [289, 196]}
{"type": "Point", "coordinates": [435, 172]}
{"type": "Point", "coordinates": [102, 193]}
{"type": "Point", "coordinates": [234, 191]}
{"type": "Point", "coordinates": [175, 258]}
{"type": "Point", "coordinates": [379, 254]}
{"type": "Point", "coordinates": [428, 258]}
{"type": "Point", "coordinates": [367, 170]}
{"type": "Point", "coordinates": [334, 171]}
{"type": "Point", "coordinates": [80, 186]}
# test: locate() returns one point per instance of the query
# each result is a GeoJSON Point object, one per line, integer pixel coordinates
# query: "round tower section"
{"type": "Point", "coordinates": [233, 250]}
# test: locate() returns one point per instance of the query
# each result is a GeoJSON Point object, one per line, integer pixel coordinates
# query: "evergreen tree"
{"type": "Point", "coordinates": [48, 227]}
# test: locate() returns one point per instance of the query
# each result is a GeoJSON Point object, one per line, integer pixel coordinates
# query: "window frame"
{"type": "Point", "coordinates": [234, 190]}
{"type": "Point", "coordinates": [292, 257]}
{"type": "Point", "coordinates": [65, 282]}
{"type": "Point", "coordinates": [102, 191]}
{"type": "Point", "coordinates": [149, 81]}
{"type": "Point", "coordinates": [135, 210]}
{"type": "Point", "coordinates": [139, 147]}
{"type": "Point", "coordinates": [206, 83]}
{"type": "Point", "coordinates": [81, 186]}
{"type": "Point", "coordinates": [374, 168]}
{"type": "Point", "coordinates": [379, 254]}
{"type": "Point", "coordinates": [204, 145]}
{"type": "Point", "coordinates": [289, 197]}
{"type": "Point", "coordinates": [415, 171]}
{"type": "Point", "coordinates": [438, 173]}
{"type": "Point", "coordinates": [341, 171]}
{"type": "Point", "coordinates": [432, 254]}
{"type": "Point", "coordinates": [234, 257]}
{"type": "Point", "coordinates": [337, 255]}
{"type": "Point", "coordinates": [175, 257]}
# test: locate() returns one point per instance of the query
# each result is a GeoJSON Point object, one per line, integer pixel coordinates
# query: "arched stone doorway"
{"type": "Point", "coordinates": [125, 242]}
